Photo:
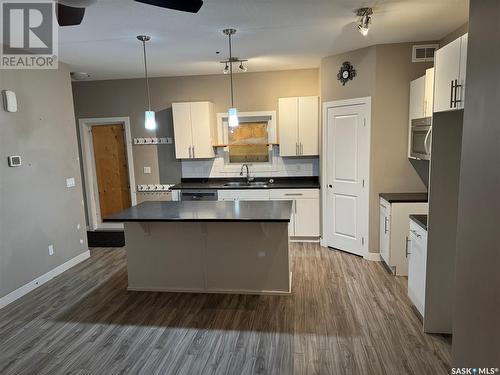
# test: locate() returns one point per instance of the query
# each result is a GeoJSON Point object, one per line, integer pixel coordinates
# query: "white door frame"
{"type": "Point", "coordinates": [324, 168]}
{"type": "Point", "coordinates": [89, 172]}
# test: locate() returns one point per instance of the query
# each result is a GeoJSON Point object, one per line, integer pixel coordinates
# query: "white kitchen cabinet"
{"type": "Point", "coordinates": [304, 222]}
{"type": "Point", "coordinates": [417, 260]}
{"type": "Point", "coordinates": [394, 228]}
{"type": "Point", "coordinates": [417, 98]}
{"type": "Point", "coordinates": [299, 126]}
{"type": "Point", "coordinates": [243, 195]}
{"type": "Point", "coordinates": [194, 130]}
{"type": "Point", "coordinates": [305, 211]}
{"type": "Point", "coordinates": [450, 74]}
{"type": "Point", "coordinates": [422, 96]}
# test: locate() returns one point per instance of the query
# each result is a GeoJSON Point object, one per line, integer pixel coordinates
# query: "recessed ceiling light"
{"type": "Point", "coordinates": [79, 76]}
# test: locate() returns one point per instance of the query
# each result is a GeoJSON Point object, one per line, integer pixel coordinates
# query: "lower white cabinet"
{"type": "Point", "coordinates": [305, 210]}
{"type": "Point", "coordinates": [417, 261]}
{"type": "Point", "coordinates": [393, 231]}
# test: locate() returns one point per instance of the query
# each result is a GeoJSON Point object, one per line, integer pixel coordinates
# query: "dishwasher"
{"type": "Point", "coordinates": [199, 195]}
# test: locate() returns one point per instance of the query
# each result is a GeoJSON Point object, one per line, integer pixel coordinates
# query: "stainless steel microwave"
{"type": "Point", "coordinates": [420, 138]}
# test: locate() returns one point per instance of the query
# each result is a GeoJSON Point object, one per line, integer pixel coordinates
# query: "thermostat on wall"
{"type": "Point", "coordinates": [15, 161]}
{"type": "Point", "coordinates": [9, 100]}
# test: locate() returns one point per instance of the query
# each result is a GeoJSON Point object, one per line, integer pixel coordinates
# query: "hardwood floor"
{"type": "Point", "coordinates": [346, 316]}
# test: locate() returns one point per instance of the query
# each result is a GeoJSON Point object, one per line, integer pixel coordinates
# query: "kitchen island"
{"type": "Point", "coordinates": [208, 246]}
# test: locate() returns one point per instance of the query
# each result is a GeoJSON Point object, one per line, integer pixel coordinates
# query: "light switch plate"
{"type": "Point", "coordinates": [9, 101]}
{"type": "Point", "coordinates": [147, 170]}
{"type": "Point", "coordinates": [51, 250]}
{"type": "Point", "coordinates": [70, 182]}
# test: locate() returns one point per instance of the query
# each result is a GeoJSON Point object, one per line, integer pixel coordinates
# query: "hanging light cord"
{"type": "Point", "coordinates": [231, 71]}
{"type": "Point", "coordinates": [147, 77]}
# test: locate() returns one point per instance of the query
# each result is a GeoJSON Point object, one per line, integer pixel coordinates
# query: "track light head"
{"type": "Point", "coordinates": [364, 20]}
{"type": "Point", "coordinates": [242, 67]}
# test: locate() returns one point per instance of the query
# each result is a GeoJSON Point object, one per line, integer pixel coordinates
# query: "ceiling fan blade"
{"type": "Point", "coordinates": [69, 16]}
{"type": "Point", "coordinates": [192, 6]}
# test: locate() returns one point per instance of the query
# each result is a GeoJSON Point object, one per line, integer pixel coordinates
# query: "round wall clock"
{"type": "Point", "coordinates": [346, 73]}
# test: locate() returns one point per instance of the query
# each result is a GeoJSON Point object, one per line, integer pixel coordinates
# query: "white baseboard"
{"type": "Point", "coordinates": [32, 285]}
{"type": "Point", "coordinates": [374, 257]}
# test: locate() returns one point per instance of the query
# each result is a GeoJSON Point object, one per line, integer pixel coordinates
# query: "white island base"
{"type": "Point", "coordinates": [208, 257]}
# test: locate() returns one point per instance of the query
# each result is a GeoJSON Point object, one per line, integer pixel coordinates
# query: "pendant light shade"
{"type": "Point", "coordinates": [233, 117]}
{"type": "Point", "coordinates": [150, 120]}
{"type": "Point", "coordinates": [149, 115]}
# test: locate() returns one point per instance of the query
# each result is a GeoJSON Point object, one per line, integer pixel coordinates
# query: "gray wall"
{"type": "Point", "coordinates": [36, 208]}
{"type": "Point", "coordinates": [476, 328]}
{"type": "Point", "coordinates": [384, 72]}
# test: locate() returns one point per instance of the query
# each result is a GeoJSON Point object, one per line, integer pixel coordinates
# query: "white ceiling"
{"type": "Point", "coordinates": [272, 34]}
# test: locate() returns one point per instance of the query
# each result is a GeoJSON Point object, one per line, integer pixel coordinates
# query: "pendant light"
{"type": "Point", "coordinates": [232, 112]}
{"type": "Point", "coordinates": [364, 20]}
{"type": "Point", "coordinates": [149, 115]}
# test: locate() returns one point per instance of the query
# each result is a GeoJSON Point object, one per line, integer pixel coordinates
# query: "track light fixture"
{"type": "Point", "coordinates": [364, 20]}
{"type": "Point", "coordinates": [228, 69]}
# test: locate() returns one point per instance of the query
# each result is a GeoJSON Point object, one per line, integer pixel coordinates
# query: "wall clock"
{"type": "Point", "coordinates": [346, 73]}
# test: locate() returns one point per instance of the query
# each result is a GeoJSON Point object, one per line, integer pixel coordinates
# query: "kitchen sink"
{"type": "Point", "coordinates": [247, 184]}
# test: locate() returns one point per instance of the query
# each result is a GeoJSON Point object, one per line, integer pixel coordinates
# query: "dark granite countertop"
{"type": "Point", "coordinates": [207, 211]}
{"type": "Point", "coordinates": [405, 197]}
{"type": "Point", "coordinates": [219, 183]}
{"type": "Point", "coordinates": [420, 220]}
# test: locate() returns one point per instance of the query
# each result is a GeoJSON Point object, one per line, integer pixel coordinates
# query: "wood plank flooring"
{"type": "Point", "coordinates": [346, 316]}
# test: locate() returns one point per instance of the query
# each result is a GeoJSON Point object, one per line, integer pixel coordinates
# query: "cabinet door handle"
{"type": "Point", "coordinates": [189, 152]}
{"type": "Point", "coordinates": [296, 149]}
{"type": "Point", "coordinates": [385, 224]}
{"type": "Point", "coordinates": [294, 194]}
{"type": "Point", "coordinates": [451, 94]}
{"type": "Point", "coordinates": [407, 241]}
{"type": "Point", "coordinates": [457, 86]}
{"type": "Point", "coordinates": [193, 152]}
{"type": "Point", "coordinates": [301, 149]}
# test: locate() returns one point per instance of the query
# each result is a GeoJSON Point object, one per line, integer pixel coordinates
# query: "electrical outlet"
{"type": "Point", "coordinates": [147, 170]}
{"type": "Point", "coordinates": [51, 250]}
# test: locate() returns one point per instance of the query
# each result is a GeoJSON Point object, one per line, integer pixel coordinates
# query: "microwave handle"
{"type": "Point", "coordinates": [426, 142]}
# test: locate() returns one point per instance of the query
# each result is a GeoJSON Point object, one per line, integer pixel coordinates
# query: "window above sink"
{"type": "Point", "coordinates": [249, 143]}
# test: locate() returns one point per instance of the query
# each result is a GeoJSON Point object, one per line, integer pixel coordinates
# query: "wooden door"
{"type": "Point", "coordinates": [348, 161]}
{"type": "Point", "coordinates": [447, 69]}
{"type": "Point", "coordinates": [308, 129]}
{"type": "Point", "coordinates": [288, 126]}
{"type": "Point", "coordinates": [201, 127]}
{"type": "Point", "coordinates": [111, 168]}
{"type": "Point", "coordinates": [182, 130]}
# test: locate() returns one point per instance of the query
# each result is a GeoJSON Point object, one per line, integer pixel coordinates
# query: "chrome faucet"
{"type": "Point", "coordinates": [248, 173]}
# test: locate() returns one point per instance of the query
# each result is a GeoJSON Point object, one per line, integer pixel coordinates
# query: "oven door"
{"type": "Point", "coordinates": [420, 143]}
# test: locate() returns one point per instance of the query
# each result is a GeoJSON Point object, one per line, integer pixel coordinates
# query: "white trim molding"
{"type": "Point", "coordinates": [89, 173]}
{"type": "Point", "coordinates": [39, 281]}
{"type": "Point", "coordinates": [373, 257]}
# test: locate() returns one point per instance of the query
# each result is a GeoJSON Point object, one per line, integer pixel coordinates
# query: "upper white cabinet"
{"type": "Point", "coordinates": [194, 130]}
{"type": "Point", "coordinates": [450, 63]}
{"type": "Point", "coordinates": [299, 126]}
{"type": "Point", "coordinates": [417, 98]}
{"type": "Point", "coordinates": [422, 95]}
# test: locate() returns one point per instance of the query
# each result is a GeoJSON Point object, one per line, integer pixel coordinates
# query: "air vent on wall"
{"type": "Point", "coordinates": [424, 52]}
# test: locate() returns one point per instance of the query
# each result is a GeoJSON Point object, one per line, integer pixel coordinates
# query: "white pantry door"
{"type": "Point", "coordinates": [347, 171]}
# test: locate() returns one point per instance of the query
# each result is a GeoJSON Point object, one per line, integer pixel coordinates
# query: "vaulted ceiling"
{"type": "Point", "coordinates": [272, 34]}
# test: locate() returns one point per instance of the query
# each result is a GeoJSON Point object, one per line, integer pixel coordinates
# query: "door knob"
{"type": "Point", "coordinates": [330, 186]}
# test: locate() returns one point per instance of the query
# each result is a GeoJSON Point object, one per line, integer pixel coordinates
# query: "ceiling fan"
{"type": "Point", "coordinates": [71, 12]}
